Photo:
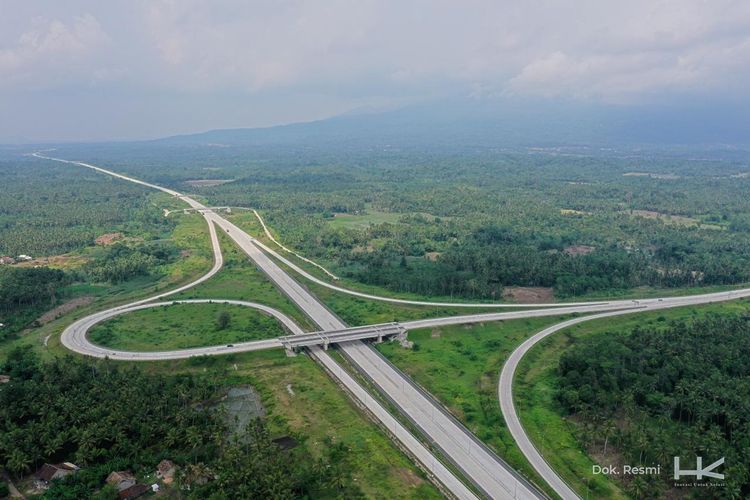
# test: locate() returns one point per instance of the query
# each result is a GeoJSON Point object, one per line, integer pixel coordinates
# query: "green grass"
{"type": "Point", "coordinates": [535, 387]}
{"type": "Point", "coordinates": [460, 366]}
{"type": "Point", "coordinates": [240, 279]}
{"type": "Point", "coordinates": [357, 311]}
{"type": "Point", "coordinates": [182, 326]}
{"type": "Point", "coordinates": [315, 409]}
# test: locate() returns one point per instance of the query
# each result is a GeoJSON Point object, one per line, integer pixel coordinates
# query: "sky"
{"type": "Point", "coordinates": [91, 70]}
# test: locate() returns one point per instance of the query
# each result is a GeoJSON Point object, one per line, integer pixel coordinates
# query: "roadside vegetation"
{"type": "Point", "coordinates": [240, 279]}
{"type": "Point", "coordinates": [572, 438]}
{"type": "Point", "coordinates": [182, 326]}
{"type": "Point", "coordinates": [460, 366]}
{"type": "Point", "coordinates": [664, 390]}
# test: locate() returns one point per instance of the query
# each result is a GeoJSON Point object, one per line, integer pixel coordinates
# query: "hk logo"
{"type": "Point", "coordinates": [700, 472]}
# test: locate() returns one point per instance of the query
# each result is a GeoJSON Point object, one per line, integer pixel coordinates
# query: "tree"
{"type": "Point", "coordinates": [223, 319]}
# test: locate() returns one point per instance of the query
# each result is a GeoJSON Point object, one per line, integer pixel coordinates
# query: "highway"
{"type": "Point", "coordinates": [486, 471]}
{"type": "Point", "coordinates": [410, 443]}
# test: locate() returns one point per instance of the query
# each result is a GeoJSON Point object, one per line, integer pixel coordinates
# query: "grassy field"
{"type": "Point", "coordinates": [239, 279]}
{"type": "Point", "coordinates": [302, 401]}
{"type": "Point", "coordinates": [536, 380]}
{"type": "Point", "coordinates": [357, 311]}
{"type": "Point", "coordinates": [460, 366]}
{"type": "Point", "coordinates": [182, 326]}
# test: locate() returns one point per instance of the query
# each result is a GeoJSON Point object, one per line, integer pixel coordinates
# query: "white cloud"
{"type": "Point", "coordinates": [49, 48]}
{"type": "Point", "coordinates": [347, 53]}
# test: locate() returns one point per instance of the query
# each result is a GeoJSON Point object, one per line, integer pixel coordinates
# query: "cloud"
{"type": "Point", "coordinates": [48, 49]}
{"type": "Point", "coordinates": [351, 54]}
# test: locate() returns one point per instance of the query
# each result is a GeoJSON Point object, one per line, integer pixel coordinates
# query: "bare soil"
{"type": "Point", "coordinates": [66, 261]}
{"type": "Point", "coordinates": [529, 294]}
{"type": "Point", "coordinates": [207, 182]}
{"type": "Point", "coordinates": [432, 256]}
{"type": "Point", "coordinates": [65, 308]}
{"type": "Point", "coordinates": [108, 239]}
{"type": "Point", "coordinates": [578, 250]}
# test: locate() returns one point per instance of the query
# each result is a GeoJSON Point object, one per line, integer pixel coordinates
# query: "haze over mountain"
{"type": "Point", "coordinates": [506, 123]}
{"type": "Point", "coordinates": [98, 71]}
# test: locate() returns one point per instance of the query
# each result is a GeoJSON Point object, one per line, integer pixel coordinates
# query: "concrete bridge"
{"type": "Point", "coordinates": [378, 332]}
{"type": "Point", "coordinates": [204, 210]}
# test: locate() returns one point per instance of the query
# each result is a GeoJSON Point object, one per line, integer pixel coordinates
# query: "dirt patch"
{"type": "Point", "coordinates": [363, 249]}
{"type": "Point", "coordinates": [207, 182]}
{"type": "Point", "coordinates": [578, 250]}
{"type": "Point", "coordinates": [64, 308]}
{"type": "Point", "coordinates": [407, 476]}
{"type": "Point", "coordinates": [432, 256]}
{"type": "Point", "coordinates": [435, 334]}
{"type": "Point", "coordinates": [108, 239]}
{"type": "Point", "coordinates": [570, 211]}
{"type": "Point", "coordinates": [529, 294]}
{"type": "Point", "coordinates": [55, 262]}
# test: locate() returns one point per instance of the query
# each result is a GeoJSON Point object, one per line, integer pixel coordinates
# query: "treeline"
{"type": "Point", "coordinates": [659, 392]}
{"type": "Point", "coordinates": [121, 262]}
{"type": "Point", "coordinates": [104, 418]}
{"type": "Point", "coordinates": [482, 263]}
{"type": "Point", "coordinates": [20, 287]}
{"type": "Point", "coordinates": [25, 293]}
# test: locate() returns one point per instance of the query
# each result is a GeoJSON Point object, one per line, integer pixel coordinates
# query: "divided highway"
{"type": "Point", "coordinates": [327, 321]}
{"type": "Point", "coordinates": [487, 472]}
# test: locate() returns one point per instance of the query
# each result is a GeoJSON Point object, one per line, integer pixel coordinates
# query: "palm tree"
{"type": "Point", "coordinates": [608, 429]}
{"type": "Point", "coordinates": [18, 461]}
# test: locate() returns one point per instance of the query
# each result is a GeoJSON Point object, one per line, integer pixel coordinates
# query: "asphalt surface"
{"type": "Point", "coordinates": [485, 470]}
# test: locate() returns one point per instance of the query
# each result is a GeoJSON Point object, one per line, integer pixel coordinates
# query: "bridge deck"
{"type": "Point", "coordinates": [325, 338]}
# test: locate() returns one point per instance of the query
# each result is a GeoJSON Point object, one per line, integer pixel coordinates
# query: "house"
{"type": "Point", "coordinates": [133, 491]}
{"type": "Point", "coordinates": [4, 379]}
{"type": "Point", "coordinates": [121, 480]}
{"type": "Point", "coordinates": [165, 471]}
{"type": "Point", "coordinates": [49, 473]}
{"type": "Point", "coordinates": [7, 260]}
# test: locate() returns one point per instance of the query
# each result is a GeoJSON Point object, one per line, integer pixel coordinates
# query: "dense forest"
{"type": "Point", "coordinates": [467, 223]}
{"type": "Point", "coordinates": [662, 391]}
{"type": "Point", "coordinates": [25, 293]}
{"type": "Point", "coordinates": [47, 208]}
{"type": "Point", "coordinates": [473, 224]}
{"type": "Point", "coordinates": [104, 417]}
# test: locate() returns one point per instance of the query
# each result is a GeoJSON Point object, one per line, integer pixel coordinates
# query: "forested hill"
{"type": "Point", "coordinates": [461, 124]}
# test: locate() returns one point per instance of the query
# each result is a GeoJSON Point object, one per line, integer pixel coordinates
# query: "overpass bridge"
{"type": "Point", "coordinates": [203, 210]}
{"type": "Point", "coordinates": [324, 338]}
